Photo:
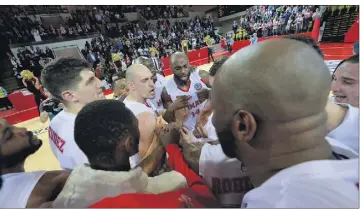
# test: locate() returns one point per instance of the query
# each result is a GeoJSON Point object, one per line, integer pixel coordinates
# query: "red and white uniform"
{"type": "Point", "coordinates": [156, 103]}
{"type": "Point", "coordinates": [62, 141]}
{"type": "Point", "coordinates": [138, 108]}
{"type": "Point", "coordinates": [228, 178]}
{"type": "Point", "coordinates": [194, 105]}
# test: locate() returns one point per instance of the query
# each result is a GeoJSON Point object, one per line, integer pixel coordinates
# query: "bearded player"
{"type": "Point", "coordinates": [22, 189]}
{"type": "Point", "coordinates": [186, 89]}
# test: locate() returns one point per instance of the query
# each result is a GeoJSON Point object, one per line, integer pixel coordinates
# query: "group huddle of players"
{"type": "Point", "coordinates": [256, 131]}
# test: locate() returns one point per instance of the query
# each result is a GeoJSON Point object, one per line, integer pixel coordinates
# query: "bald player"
{"type": "Point", "coordinates": [159, 81]}
{"type": "Point", "coordinates": [182, 91]}
{"type": "Point", "coordinates": [141, 87]}
{"type": "Point", "coordinates": [278, 131]}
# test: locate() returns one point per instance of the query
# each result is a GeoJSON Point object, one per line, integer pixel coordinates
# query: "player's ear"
{"type": "Point", "coordinates": [243, 126]}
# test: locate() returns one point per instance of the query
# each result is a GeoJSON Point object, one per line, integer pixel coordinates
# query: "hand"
{"type": "Point", "coordinates": [169, 134]}
{"type": "Point", "coordinates": [203, 95]}
{"type": "Point", "coordinates": [200, 132]}
{"type": "Point", "coordinates": [180, 102]}
{"type": "Point", "coordinates": [186, 136]}
{"type": "Point", "coordinates": [180, 115]}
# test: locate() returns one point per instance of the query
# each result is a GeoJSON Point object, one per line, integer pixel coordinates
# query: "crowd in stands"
{"type": "Point", "coordinates": [274, 20]}
{"type": "Point", "coordinates": [162, 12]}
{"type": "Point", "coordinates": [30, 58]}
{"type": "Point", "coordinates": [161, 40]}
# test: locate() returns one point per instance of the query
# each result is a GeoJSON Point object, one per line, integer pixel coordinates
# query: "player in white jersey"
{"type": "Point", "coordinates": [72, 82]}
{"type": "Point", "coordinates": [141, 87]}
{"type": "Point", "coordinates": [345, 81]}
{"type": "Point", "coordinates": [276, 131]}
{"type": "Point", "coordinates": [159, 81]}
{"type": "Point", "coordinates": [182, 90]}
{"type": "Point", "coordinates": [20, 189]}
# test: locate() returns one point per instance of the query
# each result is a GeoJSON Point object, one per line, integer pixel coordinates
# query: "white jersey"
{"type": "Point", "coordinates": [228, 178]}
{"type": "Point", "coordinates": [194, 106]}
{"type": "Point", "coordinates": [138, 108]}
{"type": "Point", "coordinates": [348, 131]}
{"type": "Point", "coordinates": [313, 184]}
{"type": "Point", "coordinates": [17, 188]}
{"type": "Point", "coordinates": [156, 103]}
{"type": "Point", "coordinates": [63, 143]}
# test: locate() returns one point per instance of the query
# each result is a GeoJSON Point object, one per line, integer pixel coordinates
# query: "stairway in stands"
{"type": "Point", "coordinates": [8, 79]}
{"type": "Point", "coordinates": [338, 22]}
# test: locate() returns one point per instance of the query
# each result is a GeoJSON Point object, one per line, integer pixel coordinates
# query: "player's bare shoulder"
{"type": "Point", "coordinates": [48, 188]}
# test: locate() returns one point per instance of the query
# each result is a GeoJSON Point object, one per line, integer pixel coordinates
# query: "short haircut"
{"type": "Point", "coordinates": [63, 73]}
{"type": "Point", "coordinates": [217, 65]}
{"type": "Point", "coordinates": [146, 62]}
{"type": "Point", "coordinates": [356, 47]}
{"type": "Point", "coordinates": [308, 40]}
{"type": "Point", "coordinates": [353, 59]}
{"type": "Point", "coordinates": [100, 126]}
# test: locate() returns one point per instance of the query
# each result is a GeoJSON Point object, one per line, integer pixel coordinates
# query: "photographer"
{"type": "Point", "coordinates": [49, 108]}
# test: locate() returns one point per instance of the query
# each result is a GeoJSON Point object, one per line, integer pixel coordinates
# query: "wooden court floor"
{"type": "Point", "coordinates": [44, 159]}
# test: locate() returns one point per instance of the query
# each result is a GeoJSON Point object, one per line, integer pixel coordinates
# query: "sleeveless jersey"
{"type": "Point", "coordinates": [138, 108]}
{"type": "Point", "coordinates": [228, 178]}
{"type": "Point", "coordinates": [17, 188]}
{"type": "Point", "coordinates": [156, 103]}
{"type": "Point", "coordinates": [194, 105]}
{"type": "Point", "coordinates": [62, 141]}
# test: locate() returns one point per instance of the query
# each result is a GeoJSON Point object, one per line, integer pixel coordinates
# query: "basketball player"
{"type": "Point", "coordinates": [209, 161]}
{"type": "Point", "coordinates": [182, 91]}
{"type": "Point", "coordinates": [107, 132]}
{"type": "Point", "coordinates": [277, 132]}
{"type": "Point", "coordinates": [71, 81]}
{"type": "Point", "coordinates": [120, 89]}
{"type": "Point", "coordinates": [159, 81]}
{"type": "Point", "coordinates": [22, 189]}
{"type": "Point", "coordinates": [141, 87]}
{"type": "Point", "coordinates": [345, 81]}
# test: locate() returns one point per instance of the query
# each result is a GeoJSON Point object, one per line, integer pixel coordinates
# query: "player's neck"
{"type": "Point", "coordinates": [15, 169]}
{"type": "Point", "coordinates": [73, 108]}
{"type": "Point", "coordinates": [132, 96]}
{"type": "Point", "coordinates": [284, 148]}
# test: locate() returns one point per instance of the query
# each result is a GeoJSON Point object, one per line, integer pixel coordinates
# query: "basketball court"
{"type": "Point", "coordinates": [45, 160]}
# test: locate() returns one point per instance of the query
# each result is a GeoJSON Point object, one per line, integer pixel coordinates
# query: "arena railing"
{"type": "Point", "coordinates": [58, 39]}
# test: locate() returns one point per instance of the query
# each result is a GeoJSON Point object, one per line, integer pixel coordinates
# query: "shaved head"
{"type": "Point", "coordinates": [274, 82]}
{"type": "Point", "coordinates": [176, 55]}
{"type": "Point", "coordinates": [269, 106]}
{"type": "Point", "coordinates": [140, 81]}
{"type": "Point", "coordinates": [180, 67]}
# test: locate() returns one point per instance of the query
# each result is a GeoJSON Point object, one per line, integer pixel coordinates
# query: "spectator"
{"type": "Point", "coordinates": [4, 100]}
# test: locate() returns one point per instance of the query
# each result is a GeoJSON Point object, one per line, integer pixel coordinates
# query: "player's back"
{"type": "Point", "coordinates": [313, 184]}
{"type": "Point", "coordinates": [62, 141]}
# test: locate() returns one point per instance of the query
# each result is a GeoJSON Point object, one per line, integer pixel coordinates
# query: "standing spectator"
{"type": "Point", "coordinates": [33, 86]}
{"type": "Point", "coordinates": [4, 100]}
